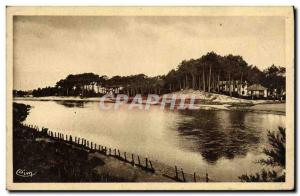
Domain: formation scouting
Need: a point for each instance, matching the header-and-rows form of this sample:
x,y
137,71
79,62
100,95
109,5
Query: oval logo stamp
x,y
25,173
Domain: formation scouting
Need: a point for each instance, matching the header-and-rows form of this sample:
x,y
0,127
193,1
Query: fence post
x,y
182,174
195,177
119,153
109,151
70,138
92,145
139,160
146,162
125,156
206,177
132,159
176,172
151,166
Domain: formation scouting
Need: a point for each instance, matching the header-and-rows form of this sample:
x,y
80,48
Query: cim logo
x,y
25,173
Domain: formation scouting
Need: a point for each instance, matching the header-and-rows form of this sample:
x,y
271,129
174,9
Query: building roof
x,y
256,87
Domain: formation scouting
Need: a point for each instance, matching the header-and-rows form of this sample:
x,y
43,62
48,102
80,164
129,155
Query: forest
x,y
205,73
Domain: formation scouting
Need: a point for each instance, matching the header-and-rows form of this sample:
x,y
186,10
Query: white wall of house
x,y
265,93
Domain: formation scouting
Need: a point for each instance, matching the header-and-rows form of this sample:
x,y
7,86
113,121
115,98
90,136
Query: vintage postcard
x,y
150,98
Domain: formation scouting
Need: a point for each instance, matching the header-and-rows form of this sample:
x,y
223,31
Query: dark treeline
x,y
205,73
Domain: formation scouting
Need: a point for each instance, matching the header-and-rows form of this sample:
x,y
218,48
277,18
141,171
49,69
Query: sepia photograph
x,y
150,98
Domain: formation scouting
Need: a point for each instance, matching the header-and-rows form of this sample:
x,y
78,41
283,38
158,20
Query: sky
x,y
48,48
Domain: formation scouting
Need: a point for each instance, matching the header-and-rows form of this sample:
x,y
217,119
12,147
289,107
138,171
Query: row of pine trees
x,y
204,73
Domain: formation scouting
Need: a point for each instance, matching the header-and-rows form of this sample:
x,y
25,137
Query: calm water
x,y
225,144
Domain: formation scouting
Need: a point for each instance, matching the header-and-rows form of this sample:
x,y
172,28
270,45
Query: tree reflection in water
x,y
218,134
71,104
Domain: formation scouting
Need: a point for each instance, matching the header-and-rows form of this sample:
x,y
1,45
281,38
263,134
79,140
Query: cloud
x,y
51,47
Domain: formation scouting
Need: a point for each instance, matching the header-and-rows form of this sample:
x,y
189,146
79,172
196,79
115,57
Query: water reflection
x,y
223,143
72,104
218,134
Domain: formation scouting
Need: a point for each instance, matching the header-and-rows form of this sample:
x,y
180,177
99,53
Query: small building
x,y
243,89
234,86
257,90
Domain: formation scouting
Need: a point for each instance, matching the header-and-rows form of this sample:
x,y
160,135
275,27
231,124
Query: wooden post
x,y
195,177
206,177
70,138
125,156
132,159
88,143
151,166
176,172
119,153
146,162
182,175
139,160
95,147
54,134
109,151
75,140
115,152
92,145
66,137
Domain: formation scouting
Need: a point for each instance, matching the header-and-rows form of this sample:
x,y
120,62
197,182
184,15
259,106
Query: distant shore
x,y
202,102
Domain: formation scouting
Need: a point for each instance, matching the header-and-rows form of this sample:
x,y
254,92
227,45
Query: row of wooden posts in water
x,y
93,147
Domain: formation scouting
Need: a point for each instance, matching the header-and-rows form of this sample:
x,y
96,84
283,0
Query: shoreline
x,y
258,106
101,164
54,157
